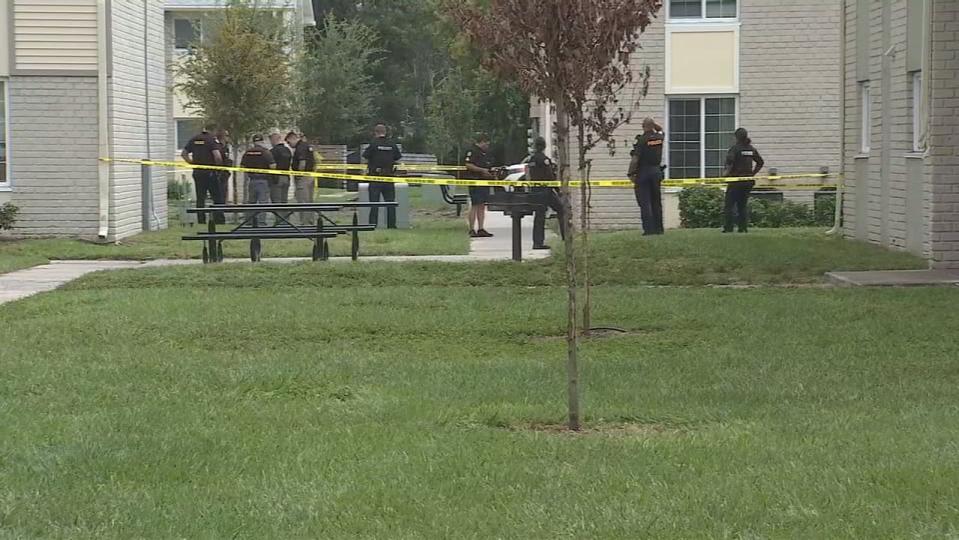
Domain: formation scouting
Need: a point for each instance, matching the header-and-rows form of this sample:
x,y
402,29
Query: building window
x,y
186,33
702,9
700,132
917,143
4,130
186,128
865,117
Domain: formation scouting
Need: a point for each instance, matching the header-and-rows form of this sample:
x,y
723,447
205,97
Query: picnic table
x,y
283,228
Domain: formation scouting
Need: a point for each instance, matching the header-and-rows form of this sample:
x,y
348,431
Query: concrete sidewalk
x,y
500,247
47,277
895,278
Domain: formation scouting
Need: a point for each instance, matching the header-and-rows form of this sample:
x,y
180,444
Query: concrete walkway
x,y
47,277
895,278
500,247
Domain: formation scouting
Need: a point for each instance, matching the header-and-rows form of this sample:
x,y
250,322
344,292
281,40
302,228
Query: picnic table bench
x,y
249,229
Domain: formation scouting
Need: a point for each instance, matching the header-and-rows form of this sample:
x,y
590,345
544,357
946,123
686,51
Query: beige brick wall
x,y
789,96
944,129
895,197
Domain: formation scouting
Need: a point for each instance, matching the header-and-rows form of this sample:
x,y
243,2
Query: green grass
x,y
431,234
291,402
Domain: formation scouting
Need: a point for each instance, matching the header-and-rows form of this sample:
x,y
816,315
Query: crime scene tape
x,y
761,181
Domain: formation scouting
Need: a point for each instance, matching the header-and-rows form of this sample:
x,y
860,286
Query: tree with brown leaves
x,y
569,52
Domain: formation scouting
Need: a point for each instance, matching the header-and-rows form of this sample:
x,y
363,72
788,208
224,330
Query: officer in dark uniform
x,y
258,190
304,159
381,157
742,160
223,142
283,156
541,168
479,163
203,149
645,170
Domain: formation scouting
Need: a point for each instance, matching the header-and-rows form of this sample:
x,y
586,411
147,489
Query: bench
x,y
248,229
457,199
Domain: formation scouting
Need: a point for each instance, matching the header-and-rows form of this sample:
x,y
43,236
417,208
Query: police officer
x,y
223,177
381,157
203,149
258,190
647,175
283,156
304,160
479,164
541,168
742,160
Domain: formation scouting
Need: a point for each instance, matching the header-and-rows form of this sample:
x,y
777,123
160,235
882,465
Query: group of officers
x,y
294,153
646,171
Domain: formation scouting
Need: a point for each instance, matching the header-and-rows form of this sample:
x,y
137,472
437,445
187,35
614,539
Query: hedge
x,y
702,208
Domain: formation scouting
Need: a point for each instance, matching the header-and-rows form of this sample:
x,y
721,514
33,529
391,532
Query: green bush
x,y
8,216
702,208
177,190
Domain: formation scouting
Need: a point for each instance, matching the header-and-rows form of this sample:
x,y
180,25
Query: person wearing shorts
x,y
479,163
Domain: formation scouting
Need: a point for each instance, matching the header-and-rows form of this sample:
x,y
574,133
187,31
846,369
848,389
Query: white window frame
x,y
702,18
865,117
193,20
176,129
916,81
702,124
5,94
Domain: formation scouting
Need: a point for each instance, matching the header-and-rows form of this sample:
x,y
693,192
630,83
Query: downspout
x,y
148,170
837,220
103,121
926,66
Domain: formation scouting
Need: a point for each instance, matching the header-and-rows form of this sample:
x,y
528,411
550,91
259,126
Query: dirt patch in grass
x,y
626,430
598,334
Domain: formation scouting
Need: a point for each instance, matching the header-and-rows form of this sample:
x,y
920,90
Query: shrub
x,y
8,216
702,207
177,190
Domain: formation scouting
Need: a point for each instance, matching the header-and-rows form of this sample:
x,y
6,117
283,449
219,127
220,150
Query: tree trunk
x,y
572,331
584,220
587,300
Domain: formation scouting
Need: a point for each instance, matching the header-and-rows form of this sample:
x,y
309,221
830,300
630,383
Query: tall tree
x,y
560,50
451,117
336,92
232,76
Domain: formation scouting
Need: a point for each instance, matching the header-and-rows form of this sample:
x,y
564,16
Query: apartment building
x,y
771,66
81,79
901,120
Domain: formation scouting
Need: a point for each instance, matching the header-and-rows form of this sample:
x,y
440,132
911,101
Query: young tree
x,y
236,76
451,114
336,93
562,51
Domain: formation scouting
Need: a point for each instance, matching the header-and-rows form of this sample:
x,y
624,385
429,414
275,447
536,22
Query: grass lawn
x,y
431,235
319,402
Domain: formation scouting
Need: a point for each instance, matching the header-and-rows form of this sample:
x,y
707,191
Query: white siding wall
x,y
55,35
4,38
138,93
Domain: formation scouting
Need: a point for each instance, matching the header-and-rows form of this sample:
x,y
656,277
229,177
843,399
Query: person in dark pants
x,y
304,160
742,160
203,149
645,170
541,168
280,185
223,177
258,190
381,157
479,164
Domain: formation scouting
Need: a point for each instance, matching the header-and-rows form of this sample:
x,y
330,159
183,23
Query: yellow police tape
x,y
762,181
